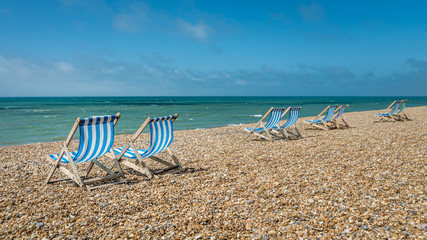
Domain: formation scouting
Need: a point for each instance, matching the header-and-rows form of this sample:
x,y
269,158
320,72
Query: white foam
x,y
235,124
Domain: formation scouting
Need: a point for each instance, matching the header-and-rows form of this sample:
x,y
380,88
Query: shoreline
x,y
368,181
242,125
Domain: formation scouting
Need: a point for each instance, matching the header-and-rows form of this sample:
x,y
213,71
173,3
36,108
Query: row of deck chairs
x,y
97,139
394,112
273,130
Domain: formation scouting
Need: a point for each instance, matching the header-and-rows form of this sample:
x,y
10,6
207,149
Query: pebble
x,y
363,182
39,224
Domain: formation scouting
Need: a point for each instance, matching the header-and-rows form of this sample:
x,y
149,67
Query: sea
x,y
25,120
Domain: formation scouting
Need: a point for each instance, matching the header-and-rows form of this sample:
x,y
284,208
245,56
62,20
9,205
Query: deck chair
x,y
264,131
390,113
401,115
161,136
339,112
322,123
293,117
96,140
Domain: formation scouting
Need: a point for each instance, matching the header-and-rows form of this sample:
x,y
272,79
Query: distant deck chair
x,y
339,112
390,114
293,117
401,115
96,140
264,131
161,137
322,123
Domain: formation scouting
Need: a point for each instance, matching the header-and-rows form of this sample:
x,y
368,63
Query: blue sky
x,y
219,48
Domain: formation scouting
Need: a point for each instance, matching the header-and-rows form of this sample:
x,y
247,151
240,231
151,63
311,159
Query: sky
x,y
213,48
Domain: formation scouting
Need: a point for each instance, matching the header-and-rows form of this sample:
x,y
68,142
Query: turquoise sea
x,y
45,119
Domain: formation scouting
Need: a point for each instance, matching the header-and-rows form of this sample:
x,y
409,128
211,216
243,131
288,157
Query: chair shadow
x,y
161,172
179,171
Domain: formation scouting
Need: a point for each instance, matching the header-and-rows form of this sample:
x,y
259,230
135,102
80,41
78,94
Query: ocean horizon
x,y
27,120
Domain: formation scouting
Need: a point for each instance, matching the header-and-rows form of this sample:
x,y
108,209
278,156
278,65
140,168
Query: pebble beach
x,y
368,181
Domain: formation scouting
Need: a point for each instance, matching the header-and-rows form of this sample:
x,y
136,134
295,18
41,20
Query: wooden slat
x,y
101,179
63,170
102,166
133,166
104,185
175,159
139,131
73,131
161,161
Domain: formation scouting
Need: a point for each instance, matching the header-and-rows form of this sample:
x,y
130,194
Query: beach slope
x,y
368,181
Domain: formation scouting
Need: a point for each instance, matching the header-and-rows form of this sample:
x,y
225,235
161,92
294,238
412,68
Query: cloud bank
x,y
95,76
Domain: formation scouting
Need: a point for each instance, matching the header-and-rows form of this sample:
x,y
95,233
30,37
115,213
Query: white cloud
x,y
133,20
113,70
312,13
63,66
240,82
28,76
199,31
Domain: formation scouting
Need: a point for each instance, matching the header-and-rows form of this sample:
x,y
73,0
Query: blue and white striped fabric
x,y
393,112
275,116
293,117
96,139
328,116
161,136
341,112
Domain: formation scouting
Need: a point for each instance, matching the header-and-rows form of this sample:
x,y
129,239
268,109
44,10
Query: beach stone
x,y
39,224
235,189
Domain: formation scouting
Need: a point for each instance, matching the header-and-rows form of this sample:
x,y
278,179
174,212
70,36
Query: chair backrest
x,y
275,116
395,108
329,113
96,137
341,111
293,117
161,134
402,106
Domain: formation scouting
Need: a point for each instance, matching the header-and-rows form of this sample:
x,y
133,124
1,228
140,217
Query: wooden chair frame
x,y
74,175
335,121
401,114
286,134
388,111
144,168
323,125
268,132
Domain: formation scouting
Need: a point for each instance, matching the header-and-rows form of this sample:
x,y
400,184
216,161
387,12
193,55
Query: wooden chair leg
x,y
175,159
89,168
52,170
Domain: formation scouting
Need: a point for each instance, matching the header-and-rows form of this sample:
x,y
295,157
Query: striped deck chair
x,y
390,114
320,122
265,130
161,137
293,117
335,120
401,115
96,140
